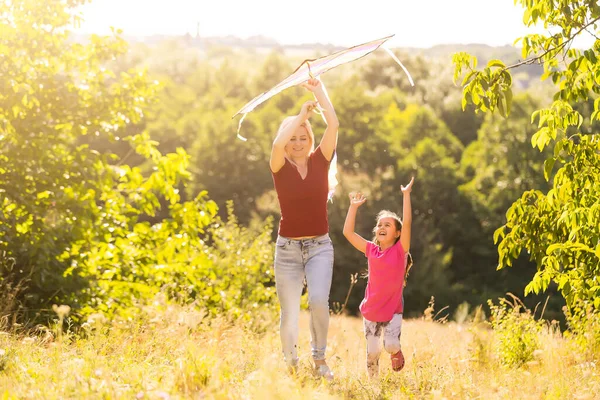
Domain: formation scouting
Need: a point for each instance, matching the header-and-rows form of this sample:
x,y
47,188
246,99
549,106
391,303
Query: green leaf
x,y
548,165
501,106
44,195
496,63
466,98
509,98
499,233
558,148
535,138
468,77
475,97
526,17
546,75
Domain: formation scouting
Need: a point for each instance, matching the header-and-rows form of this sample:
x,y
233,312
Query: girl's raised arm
x,y
406,216
356,200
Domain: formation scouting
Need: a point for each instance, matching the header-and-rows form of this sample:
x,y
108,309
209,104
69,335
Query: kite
x,y
312,68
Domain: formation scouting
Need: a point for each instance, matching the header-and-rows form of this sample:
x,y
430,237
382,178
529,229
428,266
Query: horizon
x,y
442,22
141,37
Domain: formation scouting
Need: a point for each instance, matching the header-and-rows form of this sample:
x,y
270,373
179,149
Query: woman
x,y
304,249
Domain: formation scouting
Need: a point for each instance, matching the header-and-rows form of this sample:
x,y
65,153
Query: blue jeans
x,y
296,259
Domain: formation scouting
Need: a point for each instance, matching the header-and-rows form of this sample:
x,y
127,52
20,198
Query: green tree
x,y
53,92
78,224
501,164
560,228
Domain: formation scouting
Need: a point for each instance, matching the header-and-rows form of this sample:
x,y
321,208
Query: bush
x,y
191,257
242,261
516,332
583,324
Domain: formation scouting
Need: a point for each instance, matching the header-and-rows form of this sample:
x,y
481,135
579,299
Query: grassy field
x,y
173,353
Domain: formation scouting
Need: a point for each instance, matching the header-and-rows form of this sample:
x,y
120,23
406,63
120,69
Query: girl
x,y
387,257
304,249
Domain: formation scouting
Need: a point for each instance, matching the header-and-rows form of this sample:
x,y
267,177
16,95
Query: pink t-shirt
x,y
383,295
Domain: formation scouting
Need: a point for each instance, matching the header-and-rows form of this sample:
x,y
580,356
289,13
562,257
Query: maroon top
x,y
303,202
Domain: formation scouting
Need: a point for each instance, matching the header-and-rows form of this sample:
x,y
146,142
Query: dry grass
x,y
175,354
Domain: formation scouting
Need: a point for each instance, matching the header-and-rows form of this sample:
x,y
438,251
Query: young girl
x,y
387,257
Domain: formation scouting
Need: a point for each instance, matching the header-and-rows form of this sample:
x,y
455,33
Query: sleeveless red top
x,y
303,202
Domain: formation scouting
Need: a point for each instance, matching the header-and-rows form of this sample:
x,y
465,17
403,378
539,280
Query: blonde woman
x,y
304,250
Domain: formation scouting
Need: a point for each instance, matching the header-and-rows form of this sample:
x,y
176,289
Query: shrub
x,y
516,332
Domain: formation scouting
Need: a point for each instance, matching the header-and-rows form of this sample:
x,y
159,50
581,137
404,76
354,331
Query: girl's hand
x,y
357,199
307,109
312,85
406,189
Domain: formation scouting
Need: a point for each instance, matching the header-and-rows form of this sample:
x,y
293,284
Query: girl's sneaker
x,y
397,361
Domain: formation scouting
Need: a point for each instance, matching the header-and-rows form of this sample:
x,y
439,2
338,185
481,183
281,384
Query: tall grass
x,y
175,352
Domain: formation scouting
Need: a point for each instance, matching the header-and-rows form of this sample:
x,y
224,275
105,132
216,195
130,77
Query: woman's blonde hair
x,y
331,176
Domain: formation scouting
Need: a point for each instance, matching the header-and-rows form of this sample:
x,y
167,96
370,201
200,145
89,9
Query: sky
x,y
415,23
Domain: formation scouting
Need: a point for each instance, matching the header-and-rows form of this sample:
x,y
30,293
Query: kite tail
x,y
391,53
332,177
240,127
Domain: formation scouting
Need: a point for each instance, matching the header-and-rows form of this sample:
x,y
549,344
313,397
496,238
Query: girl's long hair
x,y
331,175
398,223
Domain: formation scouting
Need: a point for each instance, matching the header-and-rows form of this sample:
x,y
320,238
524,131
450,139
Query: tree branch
x,y
541,56
597,38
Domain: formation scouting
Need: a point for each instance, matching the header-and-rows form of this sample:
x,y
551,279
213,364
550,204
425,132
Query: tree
x,y
560,228
75,217
501,164
53,93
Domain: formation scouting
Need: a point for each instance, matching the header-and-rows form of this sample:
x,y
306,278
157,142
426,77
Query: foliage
x,y
517,332
560,229
56,189
81,224
584,330
10,288
242,276
501,164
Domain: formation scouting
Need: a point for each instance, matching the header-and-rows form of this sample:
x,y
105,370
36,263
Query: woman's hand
x,y
312,85
307,109
357,199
